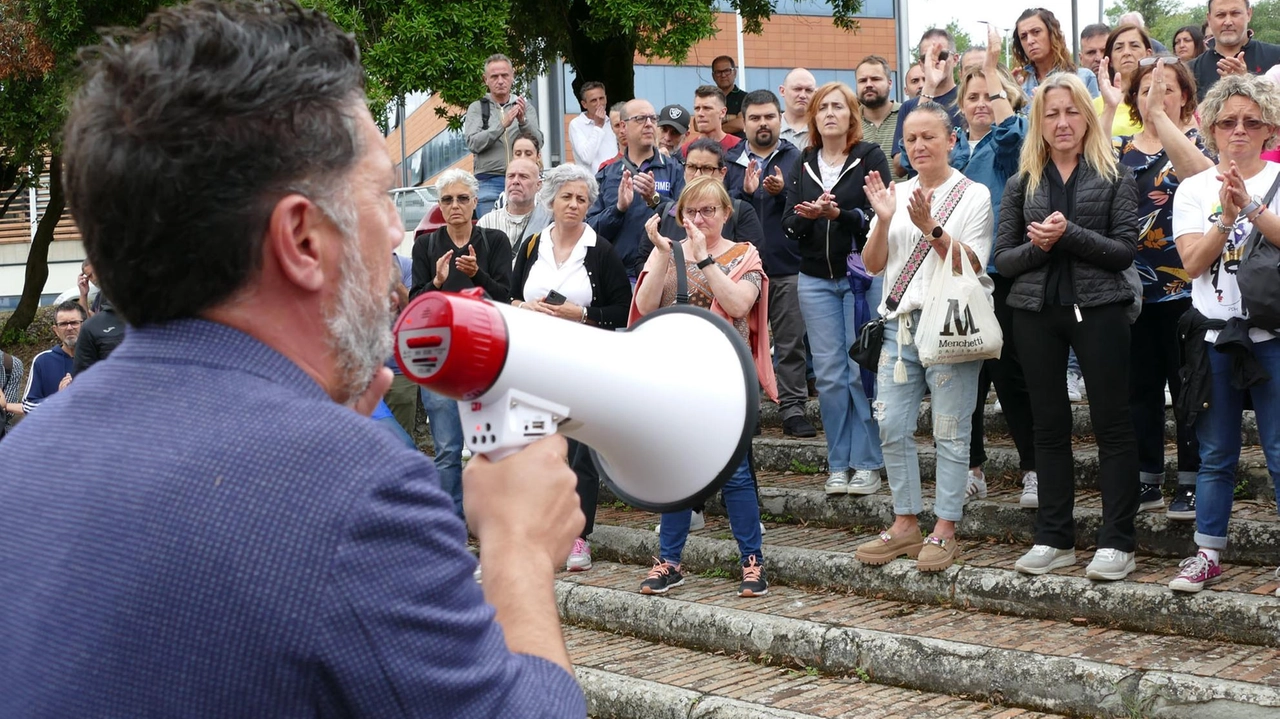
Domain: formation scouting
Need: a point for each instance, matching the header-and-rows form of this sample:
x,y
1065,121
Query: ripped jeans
x,y
953,390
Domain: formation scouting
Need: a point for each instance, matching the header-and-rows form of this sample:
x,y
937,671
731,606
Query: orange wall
x,y
787,41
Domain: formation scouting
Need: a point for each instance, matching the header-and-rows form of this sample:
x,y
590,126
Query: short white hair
x,y
454,176
557,177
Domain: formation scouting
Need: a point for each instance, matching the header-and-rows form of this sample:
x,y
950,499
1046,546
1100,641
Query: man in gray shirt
x,y
491,126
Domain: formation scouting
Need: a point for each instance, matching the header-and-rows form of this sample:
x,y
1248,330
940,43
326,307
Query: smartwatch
x,y
937,232
1255,203
706,263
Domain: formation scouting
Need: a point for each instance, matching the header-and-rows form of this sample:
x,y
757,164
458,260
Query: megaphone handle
x,y
499,429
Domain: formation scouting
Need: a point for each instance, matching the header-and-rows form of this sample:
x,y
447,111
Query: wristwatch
x,y
1002,95
654,200
1223,227
706,263
1255,203
937,232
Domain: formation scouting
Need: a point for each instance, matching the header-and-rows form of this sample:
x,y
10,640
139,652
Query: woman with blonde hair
x,y
1068,230
827,215
727,278
991,102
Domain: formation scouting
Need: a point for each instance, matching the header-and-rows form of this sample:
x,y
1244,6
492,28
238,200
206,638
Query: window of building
x,y
437,155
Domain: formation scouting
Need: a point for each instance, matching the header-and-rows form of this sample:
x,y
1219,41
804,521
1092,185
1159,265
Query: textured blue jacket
x,y
232,543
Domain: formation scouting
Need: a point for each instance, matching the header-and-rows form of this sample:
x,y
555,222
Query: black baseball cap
x,y
674,116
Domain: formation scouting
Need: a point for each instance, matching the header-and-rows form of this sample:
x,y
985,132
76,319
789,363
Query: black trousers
x,y
1154,355
1011,387
1101,342
588,483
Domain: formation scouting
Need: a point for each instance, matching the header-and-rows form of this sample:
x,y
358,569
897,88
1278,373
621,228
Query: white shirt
x,y
798,136
569,279
511,225
1195,206
830,173
591,144
970,223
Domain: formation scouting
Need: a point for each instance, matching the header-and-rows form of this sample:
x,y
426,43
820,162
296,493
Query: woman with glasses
x,y
1162,103
1214,214
727,278
570,272
456,257
1067,232
827,216
1128,48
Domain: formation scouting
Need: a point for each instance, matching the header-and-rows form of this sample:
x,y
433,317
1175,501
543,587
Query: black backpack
x,y
1259,276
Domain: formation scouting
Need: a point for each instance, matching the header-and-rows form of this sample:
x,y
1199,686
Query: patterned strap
x,y
923,246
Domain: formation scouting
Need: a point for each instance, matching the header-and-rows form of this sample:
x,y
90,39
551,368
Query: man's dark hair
x,y
1209,8
588,87
933,32
187,133
70,306
706,144
760,97
711,91
732,63
1094,30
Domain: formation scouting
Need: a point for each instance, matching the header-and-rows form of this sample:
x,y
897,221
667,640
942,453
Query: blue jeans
x,y
490,187
739,495
1218,430
954,391
446,435
853,440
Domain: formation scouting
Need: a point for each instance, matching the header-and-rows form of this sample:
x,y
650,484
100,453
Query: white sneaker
x,y
1030,491
838,483
1043,559
975,487
762,529
865,481
1075,387
1110,564
580,557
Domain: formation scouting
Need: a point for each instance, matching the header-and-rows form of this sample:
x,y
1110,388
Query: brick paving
x,y
1132,650
792,689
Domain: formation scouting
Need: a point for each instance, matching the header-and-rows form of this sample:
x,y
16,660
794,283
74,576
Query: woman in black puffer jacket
x,y
1068,230
827,215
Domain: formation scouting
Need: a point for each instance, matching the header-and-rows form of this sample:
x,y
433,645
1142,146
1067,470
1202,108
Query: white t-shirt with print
x,y
970,223
1195,207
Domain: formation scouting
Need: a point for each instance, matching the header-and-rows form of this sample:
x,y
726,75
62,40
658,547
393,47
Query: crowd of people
x,y
1100,206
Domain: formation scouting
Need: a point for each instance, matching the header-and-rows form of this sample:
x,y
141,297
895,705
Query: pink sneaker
x,y
1197,573
580,557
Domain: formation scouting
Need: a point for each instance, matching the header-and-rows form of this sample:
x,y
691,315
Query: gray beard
x,y
359,324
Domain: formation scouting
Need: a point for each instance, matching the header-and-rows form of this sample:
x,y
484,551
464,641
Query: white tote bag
x,y
958,323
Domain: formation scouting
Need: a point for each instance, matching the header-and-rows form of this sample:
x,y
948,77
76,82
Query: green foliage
x,y
962,39
801,468
716,573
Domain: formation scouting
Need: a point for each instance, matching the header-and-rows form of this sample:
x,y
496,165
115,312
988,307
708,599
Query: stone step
x,y
1253,533
630,678
997,426
776,453
1036,664
1242,608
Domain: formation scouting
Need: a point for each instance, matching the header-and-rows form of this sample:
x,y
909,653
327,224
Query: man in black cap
x,y
673,125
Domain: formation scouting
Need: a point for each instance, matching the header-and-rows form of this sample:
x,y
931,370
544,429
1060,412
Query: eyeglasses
x,y
450,199
69,324
1251,124
724,73
1168,60
707,212
642,119
702,169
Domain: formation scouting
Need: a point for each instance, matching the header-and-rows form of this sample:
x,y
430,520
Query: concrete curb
x,y
1056,684
810,455
617,696
995,424
1132,606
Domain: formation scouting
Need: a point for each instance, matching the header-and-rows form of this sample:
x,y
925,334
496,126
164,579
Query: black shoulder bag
x,y
1259,275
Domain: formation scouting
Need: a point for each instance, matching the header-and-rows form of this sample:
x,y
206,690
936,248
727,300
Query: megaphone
x,y
668,407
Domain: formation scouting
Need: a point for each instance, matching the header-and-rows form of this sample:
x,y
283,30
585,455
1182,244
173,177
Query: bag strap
x,y
916,260
1252,240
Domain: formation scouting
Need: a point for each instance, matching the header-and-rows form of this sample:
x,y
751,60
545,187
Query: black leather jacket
x,y
1101,239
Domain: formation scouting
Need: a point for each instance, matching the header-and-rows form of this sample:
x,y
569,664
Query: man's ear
x,y
296,234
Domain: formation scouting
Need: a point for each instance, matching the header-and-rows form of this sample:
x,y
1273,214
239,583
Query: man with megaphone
x,y
256,547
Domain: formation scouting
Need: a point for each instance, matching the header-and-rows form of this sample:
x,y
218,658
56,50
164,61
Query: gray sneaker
x,y
865,481
838,483
1030,491
1110,564
1043,559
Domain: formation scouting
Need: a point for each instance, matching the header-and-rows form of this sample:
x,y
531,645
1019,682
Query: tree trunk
x,y
611,60
38,258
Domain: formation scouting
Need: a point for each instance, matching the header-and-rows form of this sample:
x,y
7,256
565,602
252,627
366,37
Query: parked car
x,y
415,205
